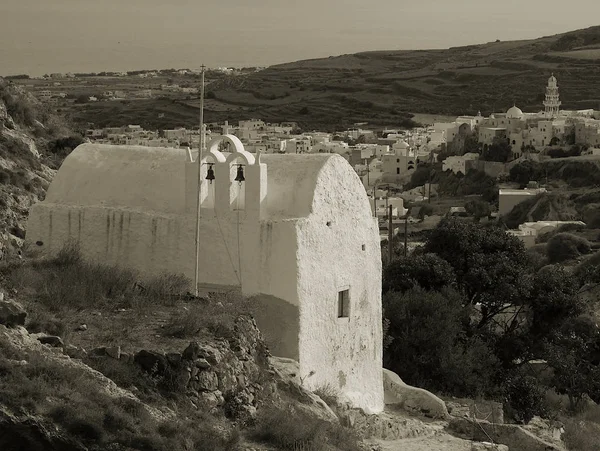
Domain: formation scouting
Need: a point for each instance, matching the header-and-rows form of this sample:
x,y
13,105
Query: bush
x,y
565,246
329,394
581,435
288,428
524,398
588,271
216,315
67,280
544,237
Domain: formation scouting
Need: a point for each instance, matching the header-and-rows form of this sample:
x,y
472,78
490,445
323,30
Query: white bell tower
x,y
551,103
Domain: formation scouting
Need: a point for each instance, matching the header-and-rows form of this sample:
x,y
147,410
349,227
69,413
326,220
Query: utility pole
x,y
390,235
199,200
405,233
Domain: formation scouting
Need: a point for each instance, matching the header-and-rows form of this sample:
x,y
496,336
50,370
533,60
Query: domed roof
x,y
514,113
552,79
401,144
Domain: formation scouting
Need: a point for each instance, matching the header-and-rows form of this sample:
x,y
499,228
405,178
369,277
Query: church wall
x,y
151,243
345,352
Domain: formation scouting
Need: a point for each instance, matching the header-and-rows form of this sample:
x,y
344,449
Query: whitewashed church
x,y
296,231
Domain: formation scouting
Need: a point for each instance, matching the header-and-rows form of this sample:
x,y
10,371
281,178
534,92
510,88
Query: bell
x,y
240,174
210,174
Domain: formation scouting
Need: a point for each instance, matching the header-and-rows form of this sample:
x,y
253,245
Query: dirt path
x,y
441,442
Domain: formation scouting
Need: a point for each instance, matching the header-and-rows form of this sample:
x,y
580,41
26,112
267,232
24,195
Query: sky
x,y
45,36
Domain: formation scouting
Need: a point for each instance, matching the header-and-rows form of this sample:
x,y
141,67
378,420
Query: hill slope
x,y
378,86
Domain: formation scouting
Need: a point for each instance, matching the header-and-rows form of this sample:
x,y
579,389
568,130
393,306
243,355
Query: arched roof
x,y
136,177
292,181
514,113
153,179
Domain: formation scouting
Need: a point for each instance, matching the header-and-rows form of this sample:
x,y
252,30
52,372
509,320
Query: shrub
x,y
288,428
588,271
524,398
328,393
544,237
580,435
566,246
215,315
67,280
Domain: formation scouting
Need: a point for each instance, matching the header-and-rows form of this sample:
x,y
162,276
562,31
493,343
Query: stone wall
x,y
233,373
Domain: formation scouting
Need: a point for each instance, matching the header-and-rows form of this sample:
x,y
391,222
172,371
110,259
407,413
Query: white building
x,y
297,234
508,198
457,164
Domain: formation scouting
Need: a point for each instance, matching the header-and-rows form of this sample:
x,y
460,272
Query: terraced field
x,y
382,87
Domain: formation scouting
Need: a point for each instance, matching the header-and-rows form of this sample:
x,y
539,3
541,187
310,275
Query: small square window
x,y
344,304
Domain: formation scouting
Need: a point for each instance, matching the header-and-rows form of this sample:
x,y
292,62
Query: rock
x,y
98,352
211,400
174,358
207,381
113,351
12,314
412,398
74,352
150,361
81,328
209,353
203,364
51,340
487,446
126,357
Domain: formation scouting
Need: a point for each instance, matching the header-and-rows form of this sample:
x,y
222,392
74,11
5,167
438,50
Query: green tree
x,y
426,270
525,172
573,354
429,347
499,151
478,209
490,265
566,246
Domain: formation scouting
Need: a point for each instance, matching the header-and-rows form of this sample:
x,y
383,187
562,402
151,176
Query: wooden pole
x,y
199,200
390,235
405,233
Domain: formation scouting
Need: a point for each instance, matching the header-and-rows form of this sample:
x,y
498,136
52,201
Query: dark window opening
x,y
39,243
344,304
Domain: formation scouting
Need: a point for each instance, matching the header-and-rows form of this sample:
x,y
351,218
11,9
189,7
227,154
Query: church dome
x,y
552,79
514,113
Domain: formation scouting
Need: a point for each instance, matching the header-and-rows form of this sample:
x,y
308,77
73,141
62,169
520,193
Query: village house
x,y
508,198
295,232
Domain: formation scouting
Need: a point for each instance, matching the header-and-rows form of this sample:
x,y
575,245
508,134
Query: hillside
x,y
377,87
33,142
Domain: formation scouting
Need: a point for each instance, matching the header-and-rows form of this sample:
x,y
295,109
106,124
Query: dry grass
x,y
75,401
68,281
329,394
215,315
287,428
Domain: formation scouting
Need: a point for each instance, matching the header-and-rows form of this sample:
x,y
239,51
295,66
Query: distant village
x,y
385,160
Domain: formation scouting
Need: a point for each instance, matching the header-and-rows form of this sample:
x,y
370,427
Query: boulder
x,y
412,398
207,381
51,340
12,314
113,351
74,352
196,350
